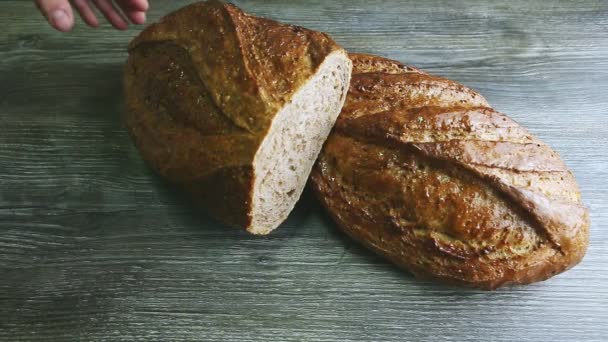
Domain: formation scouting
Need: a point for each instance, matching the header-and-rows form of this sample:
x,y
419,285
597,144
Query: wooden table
x,y
93,246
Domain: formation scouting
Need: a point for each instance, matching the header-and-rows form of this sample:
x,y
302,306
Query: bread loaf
x,y
234,108
423,171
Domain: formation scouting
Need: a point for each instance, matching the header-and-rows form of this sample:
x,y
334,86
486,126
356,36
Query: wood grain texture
x,y
93,246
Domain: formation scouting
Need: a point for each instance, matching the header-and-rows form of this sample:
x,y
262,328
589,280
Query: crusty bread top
x,y
250,65
422,170
204,84
464,130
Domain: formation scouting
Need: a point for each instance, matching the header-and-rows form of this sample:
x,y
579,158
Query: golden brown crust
x,y
421,170
363,63
251,65
226,194
202,88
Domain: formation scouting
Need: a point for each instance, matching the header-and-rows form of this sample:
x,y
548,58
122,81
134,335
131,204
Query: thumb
x,y
58,13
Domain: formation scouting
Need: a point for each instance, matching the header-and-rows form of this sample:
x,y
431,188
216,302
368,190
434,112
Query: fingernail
x,y
60,20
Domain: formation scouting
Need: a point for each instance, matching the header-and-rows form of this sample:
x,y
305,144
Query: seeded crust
x,y
423,171
209,86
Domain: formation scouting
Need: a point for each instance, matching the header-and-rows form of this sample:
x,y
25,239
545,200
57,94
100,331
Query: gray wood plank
x,y
93,246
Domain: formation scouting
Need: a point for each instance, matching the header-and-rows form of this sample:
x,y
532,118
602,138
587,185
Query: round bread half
x,y
423,171
234,108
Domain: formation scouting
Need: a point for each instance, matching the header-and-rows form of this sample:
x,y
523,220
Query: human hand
x,y
60,15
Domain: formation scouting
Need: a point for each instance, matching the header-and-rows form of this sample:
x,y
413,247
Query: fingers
x,y
86,12
137,18
135,5
135,10
60,16
112,14
58,13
